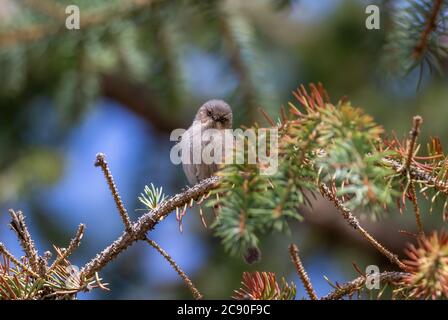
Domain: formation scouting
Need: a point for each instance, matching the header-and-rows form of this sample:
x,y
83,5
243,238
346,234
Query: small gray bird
x,y
214,114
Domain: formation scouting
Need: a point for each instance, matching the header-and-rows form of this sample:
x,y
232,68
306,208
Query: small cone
x,y
252,255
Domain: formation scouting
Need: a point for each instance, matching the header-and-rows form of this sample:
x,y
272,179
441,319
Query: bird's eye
x,y
209,113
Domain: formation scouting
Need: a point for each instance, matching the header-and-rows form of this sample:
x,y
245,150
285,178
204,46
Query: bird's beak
x,y
210,122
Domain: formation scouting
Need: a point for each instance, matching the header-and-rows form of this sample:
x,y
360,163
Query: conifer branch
x,y
8,254
417,37
74,244
413,134
197,295
418,219
418,174
101,162
430,26
411,147
19,227
353,221
55,282
264,286
147,222
294,252
351,287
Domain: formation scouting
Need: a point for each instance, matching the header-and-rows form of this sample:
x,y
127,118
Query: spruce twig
x,y
294,252
74,243
416,208
101,162
418,174
413,134
147,222
430,26
8,254
354,285
197,295
18,225
353,222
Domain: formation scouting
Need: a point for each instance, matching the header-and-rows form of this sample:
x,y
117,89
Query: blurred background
x,y
138,69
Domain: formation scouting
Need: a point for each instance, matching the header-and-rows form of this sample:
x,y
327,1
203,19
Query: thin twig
x,y
8,254
19,226
147,222
352,221
418,218
74,243
294,252
197,295
354,285
267,117
417,174
430,26
101,162
413,134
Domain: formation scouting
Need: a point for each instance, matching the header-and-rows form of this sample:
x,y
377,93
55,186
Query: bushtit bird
x,y
214,114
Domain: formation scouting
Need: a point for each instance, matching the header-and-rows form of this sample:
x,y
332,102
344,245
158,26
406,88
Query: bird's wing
x,y
191,170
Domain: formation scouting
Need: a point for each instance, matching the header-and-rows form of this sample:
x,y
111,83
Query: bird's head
x,y
215,114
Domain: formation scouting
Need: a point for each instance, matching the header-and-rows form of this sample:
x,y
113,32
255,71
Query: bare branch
x,y
430,26
197,295
101,162
418,174
147,222
354,285
413,134
18,225
294,252
418,218
8,254
352,221
74,243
